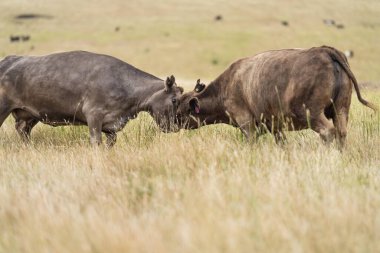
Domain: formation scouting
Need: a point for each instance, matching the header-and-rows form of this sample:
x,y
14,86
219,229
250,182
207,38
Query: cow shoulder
x,y
8,62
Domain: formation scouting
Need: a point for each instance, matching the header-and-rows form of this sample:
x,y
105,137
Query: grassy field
x,y
165,37
194,191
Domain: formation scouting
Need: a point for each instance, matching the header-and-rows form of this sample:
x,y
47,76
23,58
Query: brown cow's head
x,y
189,113
163,105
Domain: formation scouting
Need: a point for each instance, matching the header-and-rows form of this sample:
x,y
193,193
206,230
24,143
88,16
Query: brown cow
x,y
290,89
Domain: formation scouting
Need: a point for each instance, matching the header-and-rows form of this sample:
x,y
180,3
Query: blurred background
x,y
193,38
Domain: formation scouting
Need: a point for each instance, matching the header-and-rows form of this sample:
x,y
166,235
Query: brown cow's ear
x,y
194,106
199,86
170,81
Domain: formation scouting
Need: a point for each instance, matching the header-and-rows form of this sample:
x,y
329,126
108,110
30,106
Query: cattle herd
x,y
271,92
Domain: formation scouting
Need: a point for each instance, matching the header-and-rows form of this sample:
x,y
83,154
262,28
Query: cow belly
x,y
47,117
54,118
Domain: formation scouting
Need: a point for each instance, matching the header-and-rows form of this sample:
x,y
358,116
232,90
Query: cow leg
x,y
342,107
4,110
280,137
3,115
249,130
95,127
24,127
324,127
111,139
340,120
250,133
275,127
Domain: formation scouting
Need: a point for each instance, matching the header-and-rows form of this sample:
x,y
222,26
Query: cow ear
x,y
194,105
199,86
170,81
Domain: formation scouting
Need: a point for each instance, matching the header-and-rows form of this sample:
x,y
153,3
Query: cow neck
x,y
145,94
212,108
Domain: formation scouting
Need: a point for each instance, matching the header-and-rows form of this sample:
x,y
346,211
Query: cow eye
x,y
174,100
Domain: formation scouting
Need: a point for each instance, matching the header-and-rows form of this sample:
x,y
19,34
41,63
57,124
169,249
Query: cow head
x,y
163,105
189,114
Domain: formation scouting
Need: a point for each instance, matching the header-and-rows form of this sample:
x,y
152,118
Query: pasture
x,y
206,190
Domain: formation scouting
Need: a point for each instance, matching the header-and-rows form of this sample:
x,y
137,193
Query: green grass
x,y
183,38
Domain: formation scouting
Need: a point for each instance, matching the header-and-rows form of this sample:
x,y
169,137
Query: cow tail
x,y
336,56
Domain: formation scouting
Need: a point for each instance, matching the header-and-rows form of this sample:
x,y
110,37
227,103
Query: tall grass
x,y
206,190
194,191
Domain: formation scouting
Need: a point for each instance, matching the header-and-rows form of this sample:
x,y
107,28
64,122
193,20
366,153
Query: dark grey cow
x,y
82,88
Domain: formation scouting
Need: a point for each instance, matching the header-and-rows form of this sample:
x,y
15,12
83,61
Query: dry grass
x,y
193,191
